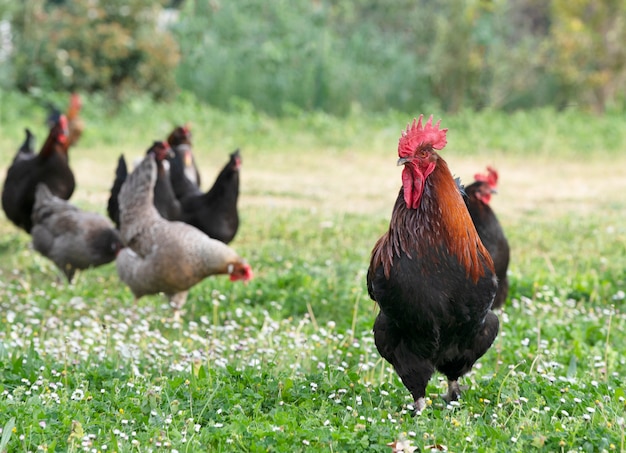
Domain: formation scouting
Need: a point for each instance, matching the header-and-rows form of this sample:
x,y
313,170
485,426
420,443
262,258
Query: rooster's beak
x,y
403,160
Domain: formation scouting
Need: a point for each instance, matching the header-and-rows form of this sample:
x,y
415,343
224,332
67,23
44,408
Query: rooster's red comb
x,y
417,135
490,178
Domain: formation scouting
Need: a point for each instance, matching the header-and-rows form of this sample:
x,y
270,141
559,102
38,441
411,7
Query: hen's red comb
x,y
417,135
490,178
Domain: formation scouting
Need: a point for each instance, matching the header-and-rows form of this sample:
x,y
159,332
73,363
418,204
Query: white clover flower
x,y
404,446
78,395
620,295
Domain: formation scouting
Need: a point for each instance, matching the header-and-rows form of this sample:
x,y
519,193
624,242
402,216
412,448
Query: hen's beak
x,y
403,160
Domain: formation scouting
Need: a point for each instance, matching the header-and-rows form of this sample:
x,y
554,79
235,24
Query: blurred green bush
x,y
281,56
111,46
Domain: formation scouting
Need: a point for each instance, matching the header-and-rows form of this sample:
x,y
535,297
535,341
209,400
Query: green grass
x,y
287,362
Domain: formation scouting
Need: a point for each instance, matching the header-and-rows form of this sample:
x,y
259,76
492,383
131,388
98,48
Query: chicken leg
x,y
460,365
414,371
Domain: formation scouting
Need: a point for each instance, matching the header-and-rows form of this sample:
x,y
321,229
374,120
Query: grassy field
x,y
287,362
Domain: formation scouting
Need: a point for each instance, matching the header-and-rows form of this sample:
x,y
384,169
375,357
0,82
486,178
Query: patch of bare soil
x,y
369,184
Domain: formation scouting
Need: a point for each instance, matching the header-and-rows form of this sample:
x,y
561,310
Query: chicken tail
x,y
121,173
136,197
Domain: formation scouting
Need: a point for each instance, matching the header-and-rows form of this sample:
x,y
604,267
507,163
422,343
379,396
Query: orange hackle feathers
x,y
74,107
459,232
417,135
439,217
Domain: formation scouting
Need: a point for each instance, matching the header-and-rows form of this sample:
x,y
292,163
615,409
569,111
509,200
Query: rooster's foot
x,y
419,405
454,391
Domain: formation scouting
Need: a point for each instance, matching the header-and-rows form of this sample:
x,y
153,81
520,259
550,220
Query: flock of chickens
x,y
158,213
435,274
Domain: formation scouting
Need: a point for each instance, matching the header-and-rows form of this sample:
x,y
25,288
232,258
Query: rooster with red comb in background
x,y
430,274
50,166
478,196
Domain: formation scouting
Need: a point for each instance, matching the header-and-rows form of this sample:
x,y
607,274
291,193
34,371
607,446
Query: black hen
x,y
478,196
50,166
214,212
180,142
165,201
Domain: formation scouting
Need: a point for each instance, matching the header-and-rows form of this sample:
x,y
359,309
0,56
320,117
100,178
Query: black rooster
x,y
50,166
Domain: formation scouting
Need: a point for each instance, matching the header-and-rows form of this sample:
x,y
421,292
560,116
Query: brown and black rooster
x,y
50,166
430,274
478,196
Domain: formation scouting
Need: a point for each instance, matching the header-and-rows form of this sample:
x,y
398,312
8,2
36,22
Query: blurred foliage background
x,y
335,56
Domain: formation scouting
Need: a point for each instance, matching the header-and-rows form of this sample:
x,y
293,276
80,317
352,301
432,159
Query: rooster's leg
x,y
420,405
454,391
458,366
413,370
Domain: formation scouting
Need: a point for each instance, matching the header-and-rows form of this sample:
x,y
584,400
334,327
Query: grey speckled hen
x,y
71,238
164,256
